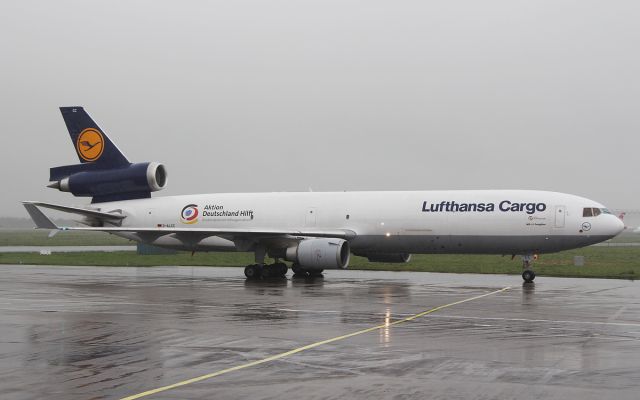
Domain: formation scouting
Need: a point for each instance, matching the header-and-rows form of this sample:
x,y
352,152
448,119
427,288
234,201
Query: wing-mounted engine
x,y
320,254
133,181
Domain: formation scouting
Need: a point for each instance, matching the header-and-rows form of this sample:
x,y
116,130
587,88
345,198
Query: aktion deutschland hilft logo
x,y
189,214
90,144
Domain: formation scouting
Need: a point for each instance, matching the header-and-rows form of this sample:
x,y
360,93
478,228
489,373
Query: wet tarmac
x,y
109,333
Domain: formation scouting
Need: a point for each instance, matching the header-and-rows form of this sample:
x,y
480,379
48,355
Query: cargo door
x,y
560,214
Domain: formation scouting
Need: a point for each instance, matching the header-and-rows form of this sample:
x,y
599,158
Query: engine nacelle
x,y
134,180
389,257
320,254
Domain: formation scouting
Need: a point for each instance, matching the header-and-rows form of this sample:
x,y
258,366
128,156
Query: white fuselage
x,y
465,221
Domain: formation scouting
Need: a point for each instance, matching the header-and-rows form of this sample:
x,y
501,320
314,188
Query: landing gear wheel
x,y
280,269
253,271
298,271
250,272
316,272
528,276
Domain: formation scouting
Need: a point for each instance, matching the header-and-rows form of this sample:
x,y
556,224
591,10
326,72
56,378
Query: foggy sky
x,y
242,96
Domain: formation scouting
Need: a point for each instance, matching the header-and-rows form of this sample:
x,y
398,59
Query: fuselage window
x,y
596,212
587,212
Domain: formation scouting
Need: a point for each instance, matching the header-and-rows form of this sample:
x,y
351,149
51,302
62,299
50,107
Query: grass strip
x,y
600,262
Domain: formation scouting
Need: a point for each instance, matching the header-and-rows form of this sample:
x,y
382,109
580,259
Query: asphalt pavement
x,y
207,333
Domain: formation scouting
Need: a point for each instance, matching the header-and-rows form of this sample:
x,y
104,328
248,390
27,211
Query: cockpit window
x,y
594,212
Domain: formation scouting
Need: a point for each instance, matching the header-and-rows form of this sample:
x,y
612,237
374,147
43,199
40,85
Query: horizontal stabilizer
x,y
38,217
30,205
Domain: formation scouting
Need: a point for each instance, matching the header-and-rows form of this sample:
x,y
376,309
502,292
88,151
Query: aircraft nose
x,y
615,226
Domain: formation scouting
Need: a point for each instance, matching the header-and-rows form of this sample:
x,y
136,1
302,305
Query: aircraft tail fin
x,y
91,143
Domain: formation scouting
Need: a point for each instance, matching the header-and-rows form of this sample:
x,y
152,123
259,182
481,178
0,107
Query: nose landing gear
x,y
527,274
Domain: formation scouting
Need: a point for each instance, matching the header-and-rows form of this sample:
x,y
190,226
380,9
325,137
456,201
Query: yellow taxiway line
x,y
307,347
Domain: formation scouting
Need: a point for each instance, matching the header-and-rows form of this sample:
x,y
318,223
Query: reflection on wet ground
x,y
92,333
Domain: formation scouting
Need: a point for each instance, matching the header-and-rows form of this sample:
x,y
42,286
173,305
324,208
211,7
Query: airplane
x,y
315,231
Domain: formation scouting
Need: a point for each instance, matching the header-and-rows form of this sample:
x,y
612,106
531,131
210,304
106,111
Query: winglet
x,y
41,220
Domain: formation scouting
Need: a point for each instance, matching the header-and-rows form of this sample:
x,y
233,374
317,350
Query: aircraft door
x,y
311,217
560,215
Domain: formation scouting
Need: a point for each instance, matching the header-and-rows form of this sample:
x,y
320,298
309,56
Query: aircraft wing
x,y
44,222
332,233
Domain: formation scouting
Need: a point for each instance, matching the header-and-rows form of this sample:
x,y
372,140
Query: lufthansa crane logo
x,y
90,144
189,214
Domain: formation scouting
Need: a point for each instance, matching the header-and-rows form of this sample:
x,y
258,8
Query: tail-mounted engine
x,y
104,173
134,181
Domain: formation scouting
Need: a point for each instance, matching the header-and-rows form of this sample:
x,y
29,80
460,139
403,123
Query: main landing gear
x,y
298,271
278,269
258,271
527,274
